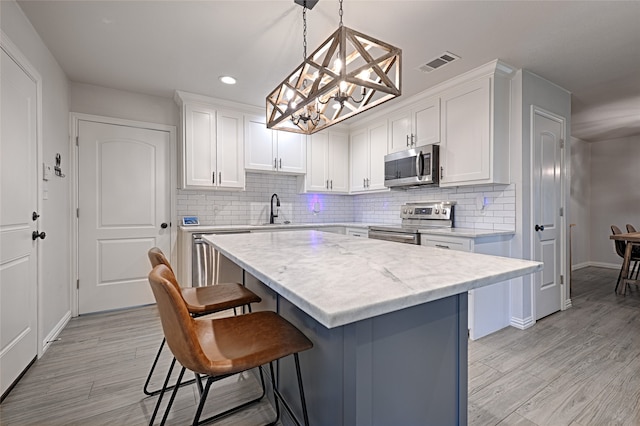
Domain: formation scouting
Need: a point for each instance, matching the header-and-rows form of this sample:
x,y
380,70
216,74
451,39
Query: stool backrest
x,y
620,245
157,257
178,326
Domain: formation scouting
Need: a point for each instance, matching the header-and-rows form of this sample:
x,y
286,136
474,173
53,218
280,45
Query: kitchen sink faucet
x,y
273,216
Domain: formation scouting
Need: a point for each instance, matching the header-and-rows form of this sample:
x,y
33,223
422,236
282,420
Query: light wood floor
x,y
578,367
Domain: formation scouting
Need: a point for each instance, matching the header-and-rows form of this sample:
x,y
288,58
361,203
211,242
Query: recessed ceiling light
x,y
226,79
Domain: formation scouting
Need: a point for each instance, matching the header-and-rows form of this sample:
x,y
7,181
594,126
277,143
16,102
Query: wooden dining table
x,y
632,239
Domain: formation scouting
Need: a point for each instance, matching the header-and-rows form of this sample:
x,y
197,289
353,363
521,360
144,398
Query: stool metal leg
x,y
153,367
173,396
164,387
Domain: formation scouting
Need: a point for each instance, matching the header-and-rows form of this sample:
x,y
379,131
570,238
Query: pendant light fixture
x,y
348,74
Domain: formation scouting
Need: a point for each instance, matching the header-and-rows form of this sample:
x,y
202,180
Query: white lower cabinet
x,y
488,306
357,232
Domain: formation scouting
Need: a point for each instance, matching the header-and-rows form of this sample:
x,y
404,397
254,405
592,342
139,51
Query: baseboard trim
x,y
580,266
606,265
53,335
567,304
522,323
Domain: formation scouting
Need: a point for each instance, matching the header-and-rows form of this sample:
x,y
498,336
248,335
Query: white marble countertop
x,y
453,232
337,279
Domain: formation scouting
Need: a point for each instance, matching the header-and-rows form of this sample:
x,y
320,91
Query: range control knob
x,y
437,211
444,211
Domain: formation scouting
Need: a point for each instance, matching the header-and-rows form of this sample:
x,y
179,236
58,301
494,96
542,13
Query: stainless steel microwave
x,y
412,167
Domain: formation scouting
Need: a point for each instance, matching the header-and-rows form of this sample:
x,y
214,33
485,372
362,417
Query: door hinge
x,y
77,140
561,143
561,211
561,279
77,284
78,213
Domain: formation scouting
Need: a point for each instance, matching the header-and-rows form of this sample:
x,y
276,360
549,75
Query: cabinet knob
x,y
34,216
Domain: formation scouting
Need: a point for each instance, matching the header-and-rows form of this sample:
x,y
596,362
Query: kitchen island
x,y
388,321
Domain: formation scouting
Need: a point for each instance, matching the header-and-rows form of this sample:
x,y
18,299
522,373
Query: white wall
x,y
580,202
97,100
529,90
55,217
615,194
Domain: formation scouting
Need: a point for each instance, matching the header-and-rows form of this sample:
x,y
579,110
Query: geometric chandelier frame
x,y
348,74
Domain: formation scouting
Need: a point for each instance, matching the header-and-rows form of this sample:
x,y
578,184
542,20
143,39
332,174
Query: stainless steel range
x,y
416,216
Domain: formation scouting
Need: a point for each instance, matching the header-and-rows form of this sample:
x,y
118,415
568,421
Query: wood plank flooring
x,y
578,367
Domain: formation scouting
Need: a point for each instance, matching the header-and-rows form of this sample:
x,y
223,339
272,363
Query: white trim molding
x,y
522,323
53,335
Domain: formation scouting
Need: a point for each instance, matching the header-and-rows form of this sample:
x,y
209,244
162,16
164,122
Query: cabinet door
x,y
292,152
318,162
230,150
259,145
338,162
400,131
377,151
359,160
465,146
426,122
199,150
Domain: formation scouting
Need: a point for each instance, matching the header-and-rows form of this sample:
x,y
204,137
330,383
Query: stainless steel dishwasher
x,y
203,259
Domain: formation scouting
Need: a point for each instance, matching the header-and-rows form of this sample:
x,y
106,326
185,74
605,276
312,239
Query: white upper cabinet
x,y
415,125
328,162
475,133
368,148
212,148
273,151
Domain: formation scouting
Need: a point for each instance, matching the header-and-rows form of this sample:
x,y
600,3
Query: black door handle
x,y
163,225
539,227
35,235
35,216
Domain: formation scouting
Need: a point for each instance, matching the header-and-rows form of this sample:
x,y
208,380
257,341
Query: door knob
x,y
35,216
35,235
539,228
163,225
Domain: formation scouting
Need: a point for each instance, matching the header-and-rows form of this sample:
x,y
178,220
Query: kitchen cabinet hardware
x,y
275,163
442,246
219,177
34,216
164,225
281,163
331,184
35,235
539,228
327,183
441,172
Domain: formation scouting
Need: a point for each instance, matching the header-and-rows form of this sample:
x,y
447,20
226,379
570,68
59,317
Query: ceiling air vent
x,y
439,61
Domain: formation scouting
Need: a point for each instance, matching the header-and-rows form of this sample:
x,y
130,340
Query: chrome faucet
x,y
273,216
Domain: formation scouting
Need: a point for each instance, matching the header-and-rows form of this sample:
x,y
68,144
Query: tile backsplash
x,y
479,207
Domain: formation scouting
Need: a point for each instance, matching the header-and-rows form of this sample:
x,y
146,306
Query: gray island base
x,y
388,321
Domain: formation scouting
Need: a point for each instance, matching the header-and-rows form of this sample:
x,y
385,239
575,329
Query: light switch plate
x,y
47,170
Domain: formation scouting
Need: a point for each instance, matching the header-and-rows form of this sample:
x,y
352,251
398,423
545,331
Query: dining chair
x,y
635,252
221,347
620,247
201,301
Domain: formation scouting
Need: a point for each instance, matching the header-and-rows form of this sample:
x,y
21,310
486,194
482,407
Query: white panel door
x,y
547,191
259,146
200,146
377,151
318,162
18,252
359,160
338,162
230,150
292,152
465,146
124,202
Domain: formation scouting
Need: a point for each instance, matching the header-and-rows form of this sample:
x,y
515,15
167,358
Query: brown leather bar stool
x,y
201,301
219,348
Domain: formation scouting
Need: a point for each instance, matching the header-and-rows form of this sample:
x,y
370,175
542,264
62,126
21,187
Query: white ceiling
x,y
591,48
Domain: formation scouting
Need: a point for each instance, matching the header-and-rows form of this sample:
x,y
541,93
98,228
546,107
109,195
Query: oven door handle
x,y
391,236
419,165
